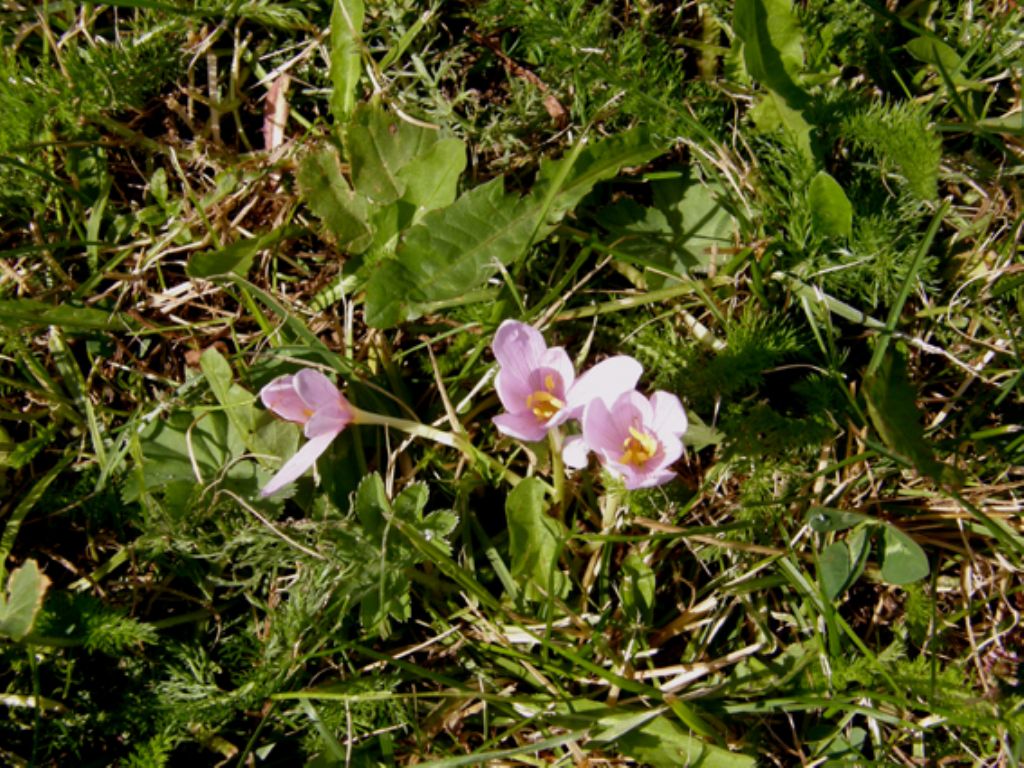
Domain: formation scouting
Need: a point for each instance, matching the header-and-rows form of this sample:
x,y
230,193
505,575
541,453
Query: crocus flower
x,y
310,399
538,386
635,438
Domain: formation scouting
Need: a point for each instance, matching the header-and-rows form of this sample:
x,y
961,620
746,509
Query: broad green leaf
x,y
637,587
831,212
772,45
561,184
664,743
30,313
432,178
23,598
893,410
450,252
379,145
824,519
345,213
773,115
238,256
835,568
237,402
903,560
931,50
535,542
682,232
176,448
346,58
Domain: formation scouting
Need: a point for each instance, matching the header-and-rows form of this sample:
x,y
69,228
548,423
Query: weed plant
x,y
801,219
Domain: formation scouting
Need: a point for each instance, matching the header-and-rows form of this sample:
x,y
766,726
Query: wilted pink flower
x,y
635,438
310,399
538,386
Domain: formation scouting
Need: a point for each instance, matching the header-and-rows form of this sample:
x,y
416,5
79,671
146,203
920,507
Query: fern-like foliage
x,y
899,137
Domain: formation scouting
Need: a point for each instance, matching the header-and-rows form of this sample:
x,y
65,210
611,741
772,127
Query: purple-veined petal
x,y
669,415
281,398
297,465
512,391
607,380
315,389
522,426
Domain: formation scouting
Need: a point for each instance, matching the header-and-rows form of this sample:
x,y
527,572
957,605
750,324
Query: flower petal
x,y
315,389
669,415
517,348
600,431
607,380
574,452
557,359
327,421
522,426
297,465
281,398
512,391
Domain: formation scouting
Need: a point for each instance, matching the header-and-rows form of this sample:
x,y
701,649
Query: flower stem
x,y
457,440
557,471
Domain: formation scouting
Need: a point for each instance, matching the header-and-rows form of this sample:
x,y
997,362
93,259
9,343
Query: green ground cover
x,y
803,220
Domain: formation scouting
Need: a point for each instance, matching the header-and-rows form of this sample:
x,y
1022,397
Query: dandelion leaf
x,y
344,212
772,45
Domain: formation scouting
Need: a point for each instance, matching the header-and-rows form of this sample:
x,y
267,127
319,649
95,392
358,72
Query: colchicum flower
x,y
538,386
310,399
635,438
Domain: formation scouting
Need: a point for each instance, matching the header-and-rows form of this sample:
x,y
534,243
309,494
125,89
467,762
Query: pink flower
x,y
635,438
538,386
310,399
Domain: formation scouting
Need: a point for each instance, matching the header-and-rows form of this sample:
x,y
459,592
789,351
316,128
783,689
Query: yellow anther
x,y
549,383
638,448
544,404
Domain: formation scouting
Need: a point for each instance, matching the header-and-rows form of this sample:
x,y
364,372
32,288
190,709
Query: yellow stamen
x,y
638,448
544,404
549,383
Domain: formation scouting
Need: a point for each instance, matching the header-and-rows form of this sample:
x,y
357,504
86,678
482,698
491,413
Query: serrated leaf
x,y
893,410
379,145
831,212
372,505
410,503
236,258
30,313
535,542
903,560
450,252
346,59
344,212
772,45
22,599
